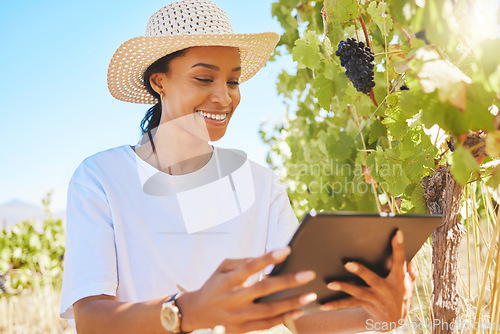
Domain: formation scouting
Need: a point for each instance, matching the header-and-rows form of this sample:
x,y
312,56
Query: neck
x,y
177,151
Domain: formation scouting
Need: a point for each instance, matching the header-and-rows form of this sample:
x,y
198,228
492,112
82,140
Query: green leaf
x,y
414,168
338,12
414,199
378,14
494,181
493,144
463,164
401,10
306,51
477,114
487,52
342,148
377,130
395,122
324,90
440,74
388,171
418,199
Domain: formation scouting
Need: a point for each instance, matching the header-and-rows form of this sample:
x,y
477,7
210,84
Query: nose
x,y
221,95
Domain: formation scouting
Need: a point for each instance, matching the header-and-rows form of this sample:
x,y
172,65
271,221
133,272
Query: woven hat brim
x,y
132,58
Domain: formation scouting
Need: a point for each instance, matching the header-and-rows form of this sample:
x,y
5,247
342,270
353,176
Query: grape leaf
x,y
338,12
414,167
341,148
488,51
324,89
401,10
463,164
477,114
494,80
306,51
395,122
378,14
377,130
388,171
494,181
418,199
306,54
442,75
412,203
493,144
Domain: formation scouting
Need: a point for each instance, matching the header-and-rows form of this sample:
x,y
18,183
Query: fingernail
x,y
306,299
326,308
351,266
399,236
305,276
281,253
219,329
333,286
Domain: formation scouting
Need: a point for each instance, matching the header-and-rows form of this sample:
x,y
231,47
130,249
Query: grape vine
x,y
439,88
31,257
339,150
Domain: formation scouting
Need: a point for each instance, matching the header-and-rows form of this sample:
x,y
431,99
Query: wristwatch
x,y
171,315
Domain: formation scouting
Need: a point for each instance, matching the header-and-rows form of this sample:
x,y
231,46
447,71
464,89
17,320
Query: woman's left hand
x,y
386,300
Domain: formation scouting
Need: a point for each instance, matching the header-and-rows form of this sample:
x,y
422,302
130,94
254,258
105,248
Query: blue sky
x,y
55,108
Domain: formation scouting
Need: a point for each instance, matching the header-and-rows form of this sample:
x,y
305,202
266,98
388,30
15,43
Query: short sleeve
x,y
90,258
282,220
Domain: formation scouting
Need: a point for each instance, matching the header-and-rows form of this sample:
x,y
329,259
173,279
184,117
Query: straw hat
x,y
177,26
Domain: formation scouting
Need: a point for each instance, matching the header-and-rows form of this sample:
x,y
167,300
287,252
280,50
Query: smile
x,y
216,117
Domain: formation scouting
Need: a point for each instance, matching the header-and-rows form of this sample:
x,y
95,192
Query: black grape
x,y
357,59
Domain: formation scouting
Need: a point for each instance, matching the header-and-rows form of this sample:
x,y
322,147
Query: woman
x,y
146,223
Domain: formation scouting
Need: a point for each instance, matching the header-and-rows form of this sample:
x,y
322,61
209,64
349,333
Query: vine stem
x,y
371,95
407,35
364,28
385,98
390,52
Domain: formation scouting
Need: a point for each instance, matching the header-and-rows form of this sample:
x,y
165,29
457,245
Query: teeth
x,y
217,117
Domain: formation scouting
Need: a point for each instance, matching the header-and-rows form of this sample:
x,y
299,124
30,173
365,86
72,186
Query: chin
x,y
215,136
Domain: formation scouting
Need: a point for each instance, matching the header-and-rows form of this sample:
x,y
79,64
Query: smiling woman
x,y
173,234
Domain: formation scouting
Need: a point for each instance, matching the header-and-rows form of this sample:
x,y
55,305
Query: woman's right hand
x,y
225,300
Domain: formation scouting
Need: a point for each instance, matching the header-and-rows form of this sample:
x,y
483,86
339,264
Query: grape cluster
x,y
358,61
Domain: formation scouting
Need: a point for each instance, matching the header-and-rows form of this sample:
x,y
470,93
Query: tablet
x,y
324,242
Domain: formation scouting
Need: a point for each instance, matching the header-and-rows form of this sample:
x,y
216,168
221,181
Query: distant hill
x,y
17,210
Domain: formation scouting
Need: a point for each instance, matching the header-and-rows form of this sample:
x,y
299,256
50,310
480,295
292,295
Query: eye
x,y
233,83
204,80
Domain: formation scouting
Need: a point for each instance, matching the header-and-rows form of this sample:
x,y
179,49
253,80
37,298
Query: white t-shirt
x,y
136,233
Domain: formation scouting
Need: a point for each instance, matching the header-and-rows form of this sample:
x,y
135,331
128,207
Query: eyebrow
x,y
214,67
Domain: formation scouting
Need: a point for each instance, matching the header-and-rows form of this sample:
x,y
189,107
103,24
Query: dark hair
x,y
152,118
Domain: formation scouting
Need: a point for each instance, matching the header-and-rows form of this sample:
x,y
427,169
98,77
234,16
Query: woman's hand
x,y
226,300
386,300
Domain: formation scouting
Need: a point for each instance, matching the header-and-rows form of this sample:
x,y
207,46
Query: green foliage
x,y
344,149
29,257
